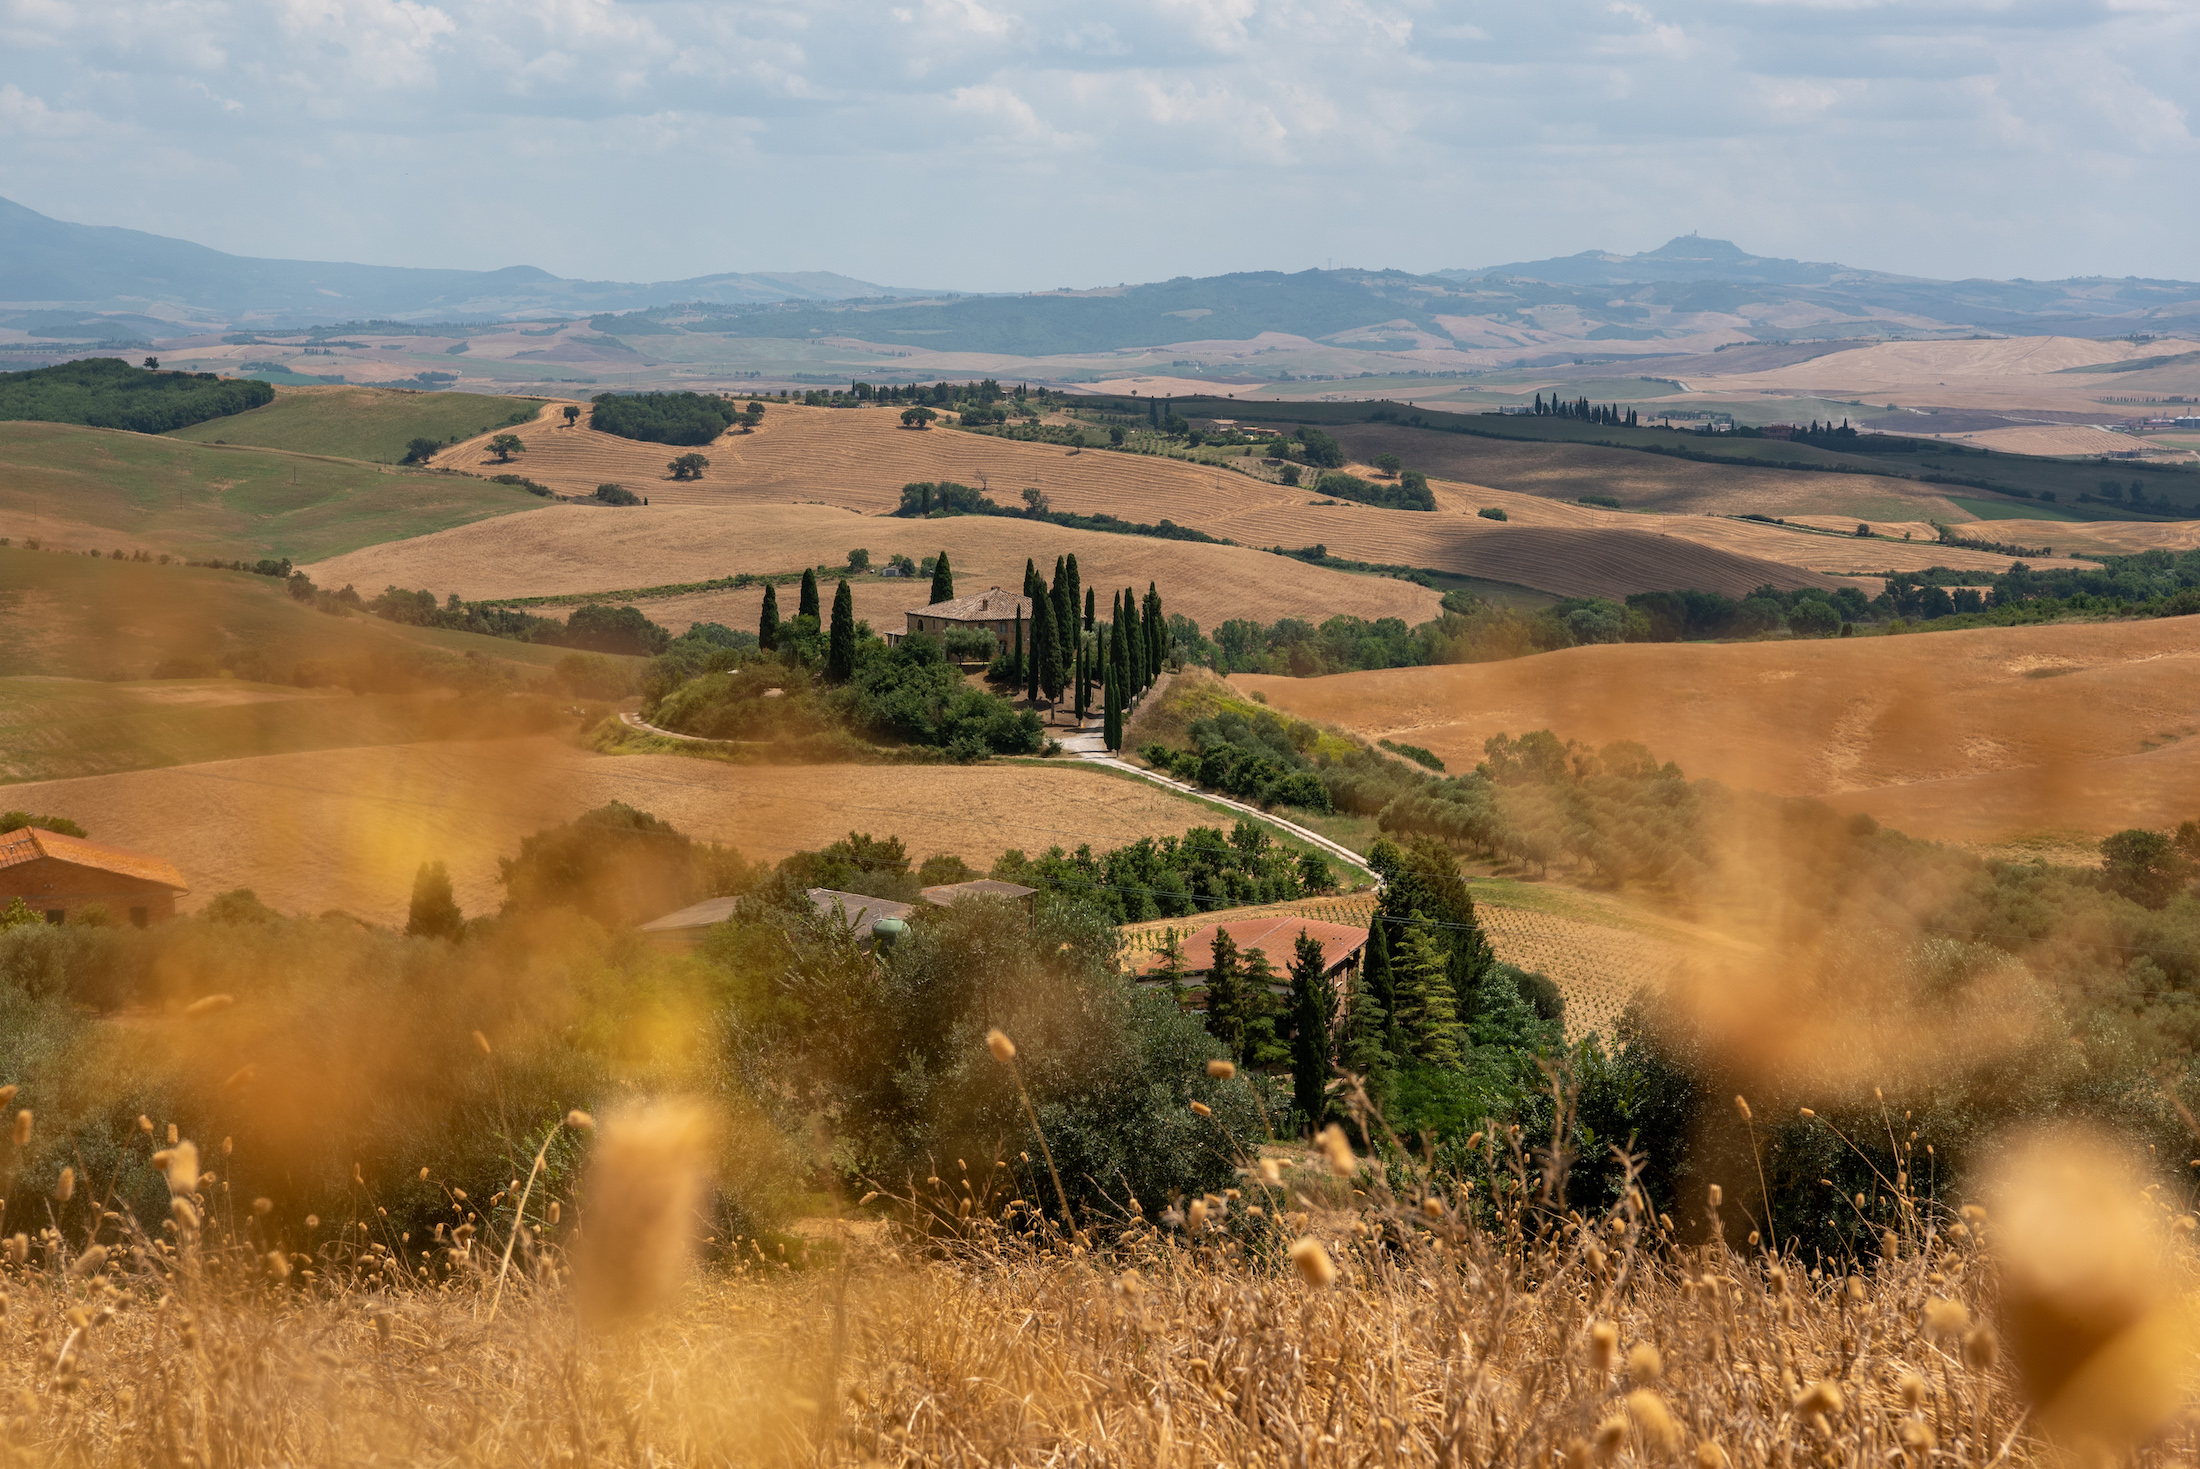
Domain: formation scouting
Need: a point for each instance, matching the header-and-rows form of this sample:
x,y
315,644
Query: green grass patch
x,y
208,500
2015,510
361,423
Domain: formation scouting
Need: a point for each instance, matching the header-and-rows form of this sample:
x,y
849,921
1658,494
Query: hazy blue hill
x,y
48,263
1683,258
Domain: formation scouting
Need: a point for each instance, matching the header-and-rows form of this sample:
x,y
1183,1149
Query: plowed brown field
x,y
575,548
347,828
1983,736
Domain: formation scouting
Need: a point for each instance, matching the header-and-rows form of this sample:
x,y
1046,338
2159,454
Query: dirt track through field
x,y
1980,736
347,828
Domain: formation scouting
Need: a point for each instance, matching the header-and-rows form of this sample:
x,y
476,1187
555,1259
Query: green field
x,y
2016,510
360,423
203,500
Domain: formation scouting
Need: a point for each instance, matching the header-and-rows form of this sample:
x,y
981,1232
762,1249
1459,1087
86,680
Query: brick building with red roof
x,y
57,875
1275,936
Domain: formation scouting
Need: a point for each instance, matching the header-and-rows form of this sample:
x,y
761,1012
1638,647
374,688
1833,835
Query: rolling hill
x,y
360,423
1993,736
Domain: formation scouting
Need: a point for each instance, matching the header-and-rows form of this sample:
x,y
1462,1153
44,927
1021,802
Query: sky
x,y
1008,146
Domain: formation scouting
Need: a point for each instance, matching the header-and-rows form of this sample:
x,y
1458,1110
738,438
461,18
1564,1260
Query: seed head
x,y
1807,1112
23,1128
182,1168
1611,1437
1196,1215
1433,1207
1741,1105
1946,1318
1201,1109
1819,1397
1913,1389
1003,1049
1603,1345
1313,1262
576,1119
644,1187
1653,1420
481,1043
186,1217
1710,1456
1221,1070
1644,1365
1980,1349
91,1262
1718,1196
7,1094
207,1005
64,1188
1271,1173
1339,1149
1918,1436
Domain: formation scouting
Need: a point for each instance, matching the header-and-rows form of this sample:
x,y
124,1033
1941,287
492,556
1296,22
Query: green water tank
x,y
887,932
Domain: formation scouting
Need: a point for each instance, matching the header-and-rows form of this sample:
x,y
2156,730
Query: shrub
x,y
615,494
1491,512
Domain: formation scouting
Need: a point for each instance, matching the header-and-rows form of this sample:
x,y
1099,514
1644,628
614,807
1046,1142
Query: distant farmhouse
x,y
992,610
57,876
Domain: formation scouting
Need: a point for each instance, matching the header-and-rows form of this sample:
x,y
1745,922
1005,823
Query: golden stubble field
x,y
1986,736
347,828
860,458
578,548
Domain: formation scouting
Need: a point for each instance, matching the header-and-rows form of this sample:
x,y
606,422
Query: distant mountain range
x,y
65,282
55,275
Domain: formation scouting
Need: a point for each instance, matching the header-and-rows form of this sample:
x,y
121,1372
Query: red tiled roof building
x,y
57,875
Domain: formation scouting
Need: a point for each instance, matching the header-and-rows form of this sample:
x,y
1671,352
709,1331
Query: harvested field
x,y
2074,727
577,548
347,828
2099,537
1561,472
2012,373
860,459
2062,440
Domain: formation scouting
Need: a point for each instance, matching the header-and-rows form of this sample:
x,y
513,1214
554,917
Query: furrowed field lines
x,y
577,549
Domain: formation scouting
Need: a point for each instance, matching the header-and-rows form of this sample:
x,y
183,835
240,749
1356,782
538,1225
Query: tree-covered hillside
x,y
106,392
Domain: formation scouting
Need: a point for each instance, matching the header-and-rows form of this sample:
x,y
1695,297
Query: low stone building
x,y
57,876
992,610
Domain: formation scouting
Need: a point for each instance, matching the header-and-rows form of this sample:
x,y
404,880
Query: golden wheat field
x,y
1982,736
1331,1309
573,548
2010,372
347,828
860,459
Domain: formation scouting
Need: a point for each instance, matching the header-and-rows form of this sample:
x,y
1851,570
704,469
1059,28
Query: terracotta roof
x,y
988,606
985,887
1276,937
28,844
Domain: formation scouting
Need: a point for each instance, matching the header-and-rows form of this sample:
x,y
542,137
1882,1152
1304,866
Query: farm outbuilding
x,y
992,610
59,876
947,894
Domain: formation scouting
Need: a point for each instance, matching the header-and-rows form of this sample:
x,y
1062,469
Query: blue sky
x,y
982,144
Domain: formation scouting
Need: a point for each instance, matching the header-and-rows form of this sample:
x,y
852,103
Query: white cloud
x,y
661,138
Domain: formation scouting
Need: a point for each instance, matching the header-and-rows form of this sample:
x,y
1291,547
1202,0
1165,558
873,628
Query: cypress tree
x,y
1226,996
1157,634
1367,1023
1065,610
1377,976
840,650
1089,624
807,607
943,580
1134,643
1031,650
1313,1009
434,912
1016,654
767,623
1048,648
1033,587
1118,680
1111,714
1076,590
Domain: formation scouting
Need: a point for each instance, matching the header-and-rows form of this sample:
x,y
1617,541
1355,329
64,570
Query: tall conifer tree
x,y
807,607
943,581
840,650
1049,650
767,622
1313,1010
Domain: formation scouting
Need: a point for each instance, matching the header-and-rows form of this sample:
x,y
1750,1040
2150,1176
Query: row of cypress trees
x,y
1583,409
840,643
